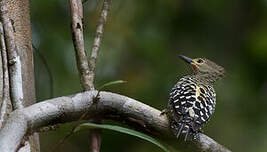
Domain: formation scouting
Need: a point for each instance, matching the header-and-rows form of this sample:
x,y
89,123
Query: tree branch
x,y
14,61
14,64
97,41
76,10
70,108
205,143
95,135
6,106
86,75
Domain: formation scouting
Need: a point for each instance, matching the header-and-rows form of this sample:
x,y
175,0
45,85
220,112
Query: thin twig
x,y
97,41
78,42
95,134
15,75
62,140
76,10
86,72
71,132
6,105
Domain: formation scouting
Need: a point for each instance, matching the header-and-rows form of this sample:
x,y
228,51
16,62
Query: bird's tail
x,y
183,128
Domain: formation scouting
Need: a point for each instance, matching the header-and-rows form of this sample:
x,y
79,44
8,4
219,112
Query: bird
x,y
192,100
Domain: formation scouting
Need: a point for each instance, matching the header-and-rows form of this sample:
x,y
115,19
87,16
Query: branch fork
x,y
70,108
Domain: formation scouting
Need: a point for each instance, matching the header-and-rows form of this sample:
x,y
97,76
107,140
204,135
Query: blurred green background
x,y
141,44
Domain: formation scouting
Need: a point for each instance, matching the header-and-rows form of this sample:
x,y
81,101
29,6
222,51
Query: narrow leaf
x,y
123,130
111,83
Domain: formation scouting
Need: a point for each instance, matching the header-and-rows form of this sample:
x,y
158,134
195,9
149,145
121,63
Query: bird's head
x,y
205,67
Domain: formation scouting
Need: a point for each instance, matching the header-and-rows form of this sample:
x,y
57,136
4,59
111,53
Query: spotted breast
x,y
192,103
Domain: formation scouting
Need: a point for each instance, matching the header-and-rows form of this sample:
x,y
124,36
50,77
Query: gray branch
x,y
76,11
95,135
97,41
14,61
70,108
6,104
205,143
14,64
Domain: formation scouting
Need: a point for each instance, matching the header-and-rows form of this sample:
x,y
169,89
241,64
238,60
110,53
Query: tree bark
x,y
19,14
110,106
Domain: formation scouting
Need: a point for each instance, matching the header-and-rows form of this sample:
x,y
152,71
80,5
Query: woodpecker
x,y
192,99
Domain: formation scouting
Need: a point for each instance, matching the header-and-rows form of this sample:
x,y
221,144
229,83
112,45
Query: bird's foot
x,y
165,112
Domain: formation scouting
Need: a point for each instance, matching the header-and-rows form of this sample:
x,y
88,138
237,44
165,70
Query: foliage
x,y
122,130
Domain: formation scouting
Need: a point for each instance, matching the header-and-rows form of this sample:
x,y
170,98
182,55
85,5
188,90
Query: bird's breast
x,y
190,98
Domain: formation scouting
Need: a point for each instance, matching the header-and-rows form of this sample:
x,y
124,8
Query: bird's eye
x,y
200,61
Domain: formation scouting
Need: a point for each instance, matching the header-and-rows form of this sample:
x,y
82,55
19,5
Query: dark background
x,y
141,44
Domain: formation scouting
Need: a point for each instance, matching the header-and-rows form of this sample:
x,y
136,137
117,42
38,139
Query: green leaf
x,y
122,130
111,83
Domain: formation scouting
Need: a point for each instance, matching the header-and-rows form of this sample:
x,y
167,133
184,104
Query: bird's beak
x,y
186,59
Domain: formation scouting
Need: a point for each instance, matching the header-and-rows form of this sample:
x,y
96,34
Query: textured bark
x,y
1,67
76,11
6,106
19,13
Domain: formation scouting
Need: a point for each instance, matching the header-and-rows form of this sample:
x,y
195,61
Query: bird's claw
x,y
164,112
